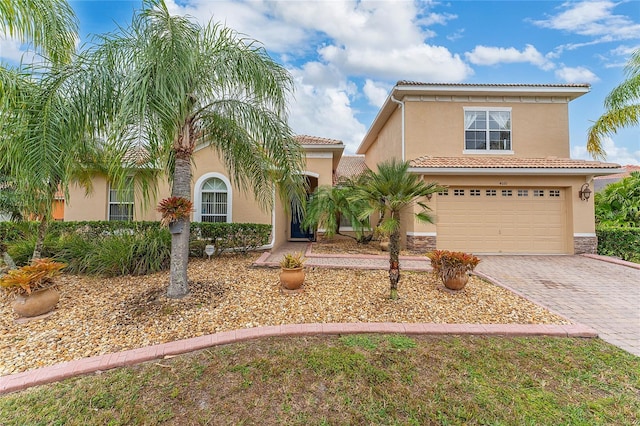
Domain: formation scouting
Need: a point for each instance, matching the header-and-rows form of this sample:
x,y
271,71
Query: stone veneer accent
x,y
583,245
421,242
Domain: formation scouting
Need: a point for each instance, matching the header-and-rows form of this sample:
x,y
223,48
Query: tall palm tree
x,y
49,24
388,192
172,84
622,108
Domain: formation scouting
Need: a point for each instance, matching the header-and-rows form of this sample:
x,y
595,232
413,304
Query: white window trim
x,y
110,203
197,195
488,151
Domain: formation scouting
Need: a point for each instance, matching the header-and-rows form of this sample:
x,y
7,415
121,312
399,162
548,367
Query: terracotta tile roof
x,y
508,163
350,166
497,85
618,176
315,140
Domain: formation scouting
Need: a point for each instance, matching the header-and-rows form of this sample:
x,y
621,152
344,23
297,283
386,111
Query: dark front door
x,y
296,229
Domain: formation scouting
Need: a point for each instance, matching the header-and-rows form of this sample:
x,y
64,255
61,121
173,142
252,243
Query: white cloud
x,y
325,110
486,55
418,62
375,92
576,75
615,154
593,19
12,50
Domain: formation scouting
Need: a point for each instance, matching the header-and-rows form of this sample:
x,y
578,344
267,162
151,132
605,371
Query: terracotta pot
x,y
37,303
458,282
292,278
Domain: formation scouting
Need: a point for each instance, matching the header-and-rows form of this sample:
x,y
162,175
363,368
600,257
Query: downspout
x,y
273,225
401,103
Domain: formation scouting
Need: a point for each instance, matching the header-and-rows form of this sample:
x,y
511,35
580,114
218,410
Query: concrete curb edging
x,y
65,370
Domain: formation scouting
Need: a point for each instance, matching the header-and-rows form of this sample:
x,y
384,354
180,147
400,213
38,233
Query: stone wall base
x,y
583,245
421,243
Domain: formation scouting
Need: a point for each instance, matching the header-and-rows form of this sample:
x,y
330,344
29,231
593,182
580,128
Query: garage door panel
x,y
520,223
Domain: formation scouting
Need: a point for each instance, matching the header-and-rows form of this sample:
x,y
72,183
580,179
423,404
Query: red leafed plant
x,y
29,278
448,264
174,209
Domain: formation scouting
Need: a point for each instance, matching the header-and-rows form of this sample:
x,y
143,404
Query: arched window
x,y
214,201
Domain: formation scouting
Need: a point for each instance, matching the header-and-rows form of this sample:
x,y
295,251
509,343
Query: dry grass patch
x,y
354,380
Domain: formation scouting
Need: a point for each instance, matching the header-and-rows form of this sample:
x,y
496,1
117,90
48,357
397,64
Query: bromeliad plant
x,y
292,261
29,278
173,209
449,264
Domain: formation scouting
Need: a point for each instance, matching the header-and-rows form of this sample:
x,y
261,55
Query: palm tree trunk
x,y
42,231
394,262
178,281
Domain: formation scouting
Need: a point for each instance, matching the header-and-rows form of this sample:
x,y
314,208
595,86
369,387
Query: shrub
x,y
619,242
29,278
117,248
240,237
449,264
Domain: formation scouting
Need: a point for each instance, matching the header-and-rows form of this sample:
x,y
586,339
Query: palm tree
x,y
49,24
43,145
170,84
388,192
328,204
622,108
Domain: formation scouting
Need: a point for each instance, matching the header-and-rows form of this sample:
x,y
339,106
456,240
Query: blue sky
x,y
345,56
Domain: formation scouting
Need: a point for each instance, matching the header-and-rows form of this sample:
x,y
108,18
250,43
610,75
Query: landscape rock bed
x,y
98,315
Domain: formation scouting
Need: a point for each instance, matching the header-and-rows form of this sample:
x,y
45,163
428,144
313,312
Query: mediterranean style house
x,y
214,197
501,150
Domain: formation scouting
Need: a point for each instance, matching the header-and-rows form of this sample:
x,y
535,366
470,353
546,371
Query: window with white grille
x,y
121,201
213,205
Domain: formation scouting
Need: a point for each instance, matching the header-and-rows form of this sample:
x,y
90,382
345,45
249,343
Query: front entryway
x,y
296,232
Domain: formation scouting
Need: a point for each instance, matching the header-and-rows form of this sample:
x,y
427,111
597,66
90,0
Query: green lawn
x,y
356,379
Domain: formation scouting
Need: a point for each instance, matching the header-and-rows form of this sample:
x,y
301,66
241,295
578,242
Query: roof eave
x,y
576,171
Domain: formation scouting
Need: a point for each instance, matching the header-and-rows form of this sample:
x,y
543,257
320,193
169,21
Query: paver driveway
x,y
602,295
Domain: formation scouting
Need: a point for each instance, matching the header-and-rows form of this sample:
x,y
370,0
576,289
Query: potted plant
x,y
292,271
453,267
173,210
33,287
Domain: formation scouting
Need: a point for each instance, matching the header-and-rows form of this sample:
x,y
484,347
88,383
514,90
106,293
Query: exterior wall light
x,y
584,192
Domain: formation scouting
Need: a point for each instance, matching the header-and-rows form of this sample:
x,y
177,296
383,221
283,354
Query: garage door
x,y
502,220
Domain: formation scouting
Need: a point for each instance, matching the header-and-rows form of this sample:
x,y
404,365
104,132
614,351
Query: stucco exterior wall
x,y
388,144
436,128
244,207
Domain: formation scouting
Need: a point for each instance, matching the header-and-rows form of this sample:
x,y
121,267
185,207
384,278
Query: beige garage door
x,y
502,220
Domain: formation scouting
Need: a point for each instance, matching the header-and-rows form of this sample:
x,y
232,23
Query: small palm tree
x,y
388,192
329,204
622,108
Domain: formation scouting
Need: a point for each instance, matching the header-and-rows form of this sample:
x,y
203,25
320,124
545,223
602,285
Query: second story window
x,y
487,130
